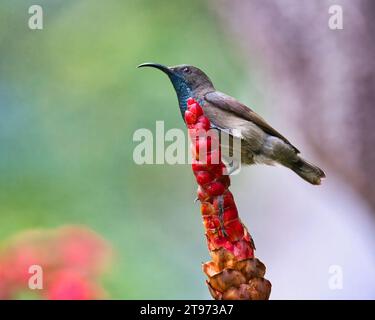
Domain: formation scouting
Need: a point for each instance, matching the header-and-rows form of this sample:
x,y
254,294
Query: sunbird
x,y
260,143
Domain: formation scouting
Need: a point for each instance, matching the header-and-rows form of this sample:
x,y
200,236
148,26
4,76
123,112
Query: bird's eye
x,y
186,70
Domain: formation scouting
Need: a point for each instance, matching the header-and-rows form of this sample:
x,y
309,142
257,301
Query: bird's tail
x,y
308,171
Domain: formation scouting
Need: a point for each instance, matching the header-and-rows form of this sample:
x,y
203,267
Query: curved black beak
x,y
165,69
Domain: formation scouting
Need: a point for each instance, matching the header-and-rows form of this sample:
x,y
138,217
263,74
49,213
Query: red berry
x,y
225,181
203,177
215,169
207,209
190,101
215,189
230,214
202,194
211,222
203,123
196,109
190,117
197,166
234,230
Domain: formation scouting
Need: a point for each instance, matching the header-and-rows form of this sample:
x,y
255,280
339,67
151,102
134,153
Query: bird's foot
x,y
221,215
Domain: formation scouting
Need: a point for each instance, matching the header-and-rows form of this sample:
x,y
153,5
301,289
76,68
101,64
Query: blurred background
x,y
71,99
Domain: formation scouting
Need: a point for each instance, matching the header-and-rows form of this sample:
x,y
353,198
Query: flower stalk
x,y
233,273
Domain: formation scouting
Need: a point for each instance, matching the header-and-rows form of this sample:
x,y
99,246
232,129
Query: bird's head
x,y
187,80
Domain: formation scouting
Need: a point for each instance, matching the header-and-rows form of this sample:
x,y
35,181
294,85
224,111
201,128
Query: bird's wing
x,y
229,105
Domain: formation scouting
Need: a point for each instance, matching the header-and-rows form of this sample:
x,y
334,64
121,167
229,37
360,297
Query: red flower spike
x,y
228,240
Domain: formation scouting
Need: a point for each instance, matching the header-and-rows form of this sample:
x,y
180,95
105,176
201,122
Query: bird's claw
x,y
221,215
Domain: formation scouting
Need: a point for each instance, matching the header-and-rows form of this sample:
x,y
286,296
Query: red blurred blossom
x,y
72,285
72,259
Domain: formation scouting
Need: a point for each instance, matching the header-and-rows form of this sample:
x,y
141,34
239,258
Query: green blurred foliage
x,y
70,100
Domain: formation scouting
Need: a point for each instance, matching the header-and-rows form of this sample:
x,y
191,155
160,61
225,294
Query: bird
x,y
260,142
